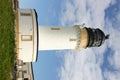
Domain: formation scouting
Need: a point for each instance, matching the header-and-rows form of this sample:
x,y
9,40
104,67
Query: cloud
x,y
86,64
80,66
112,75
84,11
114,45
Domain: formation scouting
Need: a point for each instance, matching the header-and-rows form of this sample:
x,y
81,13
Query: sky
x,y
102,63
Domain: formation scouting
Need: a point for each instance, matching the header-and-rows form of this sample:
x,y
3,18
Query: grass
x,y
7,54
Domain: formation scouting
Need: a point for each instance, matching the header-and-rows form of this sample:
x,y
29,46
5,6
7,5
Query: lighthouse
x,y
30,38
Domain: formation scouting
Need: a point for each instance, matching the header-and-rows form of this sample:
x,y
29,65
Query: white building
x,y
30,38
24,71
26,35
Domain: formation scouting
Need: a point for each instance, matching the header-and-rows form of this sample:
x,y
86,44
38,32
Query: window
x,y
55,28
25,14
72,39
24,71
26,37
24,63
26,79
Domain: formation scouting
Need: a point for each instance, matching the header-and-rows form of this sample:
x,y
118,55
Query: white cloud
x,y
113,43
86,64
80,66
112,75
84,11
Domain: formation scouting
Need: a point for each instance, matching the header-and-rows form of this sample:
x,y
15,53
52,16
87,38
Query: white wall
x,y
50,39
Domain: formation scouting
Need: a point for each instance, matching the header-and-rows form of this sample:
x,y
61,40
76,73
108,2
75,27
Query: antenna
x,y
107,36
83,24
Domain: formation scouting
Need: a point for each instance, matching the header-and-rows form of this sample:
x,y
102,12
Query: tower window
x,y
72,39
25,14
55,28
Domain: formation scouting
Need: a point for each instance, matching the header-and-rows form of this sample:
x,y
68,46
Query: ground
x,y
7,54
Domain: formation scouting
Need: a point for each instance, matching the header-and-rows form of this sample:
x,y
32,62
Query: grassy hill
x,y
6,39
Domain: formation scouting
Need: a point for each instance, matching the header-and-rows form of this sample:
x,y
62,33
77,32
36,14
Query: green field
x,y
7,54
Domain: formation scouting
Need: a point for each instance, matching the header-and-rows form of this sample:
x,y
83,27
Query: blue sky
x,y
83,64
48,61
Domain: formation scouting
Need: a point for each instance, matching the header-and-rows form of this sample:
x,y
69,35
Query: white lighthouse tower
x,y
30,37
59,38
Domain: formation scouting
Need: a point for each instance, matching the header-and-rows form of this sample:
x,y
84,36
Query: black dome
x,y
96,37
